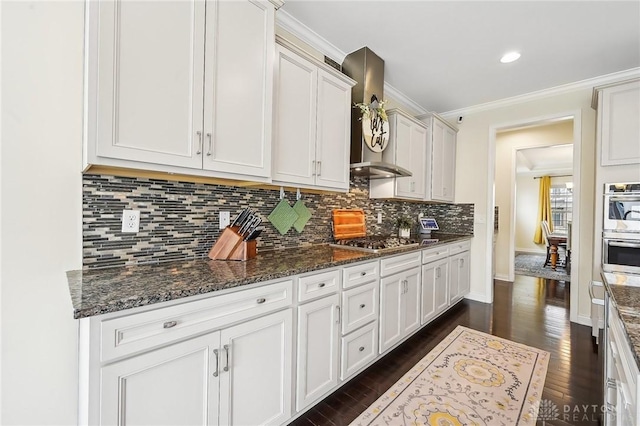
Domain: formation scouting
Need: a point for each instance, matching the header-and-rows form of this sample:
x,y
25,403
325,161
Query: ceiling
x,y
552,159
445,55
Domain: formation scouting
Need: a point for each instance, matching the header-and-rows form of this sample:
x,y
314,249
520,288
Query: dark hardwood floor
x,y
532,311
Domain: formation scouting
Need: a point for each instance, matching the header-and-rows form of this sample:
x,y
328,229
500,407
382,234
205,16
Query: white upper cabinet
x,y
443,160
312,122
619,123
408,148
185,84
238,87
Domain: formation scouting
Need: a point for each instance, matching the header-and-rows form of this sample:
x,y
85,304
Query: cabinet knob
x,y
363,273
362,306
261,300
361,348
169,324
321,285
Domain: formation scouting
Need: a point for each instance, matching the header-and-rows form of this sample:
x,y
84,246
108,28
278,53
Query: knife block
x,y
231,247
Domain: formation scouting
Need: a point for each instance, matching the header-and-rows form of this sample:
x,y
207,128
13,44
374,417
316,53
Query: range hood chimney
x,y
367,69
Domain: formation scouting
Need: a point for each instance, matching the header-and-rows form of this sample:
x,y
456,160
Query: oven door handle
x,y
623,244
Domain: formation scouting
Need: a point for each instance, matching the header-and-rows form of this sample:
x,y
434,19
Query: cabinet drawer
x,y
359,306
316,285
358,349
623,356
360,274
456,248
391,265
139,332
434,254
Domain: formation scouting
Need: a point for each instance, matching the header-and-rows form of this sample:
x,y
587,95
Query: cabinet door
x,y
443,159
459,281
318,334
441,290
295,118
401,132
437,164
464,284
419,145
619,122
428,292
391,292
256,389
449,164
240,43
411,302
169,386
334,130
148,93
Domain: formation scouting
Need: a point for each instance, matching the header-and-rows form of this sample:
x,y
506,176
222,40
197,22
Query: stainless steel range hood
x,y
367,69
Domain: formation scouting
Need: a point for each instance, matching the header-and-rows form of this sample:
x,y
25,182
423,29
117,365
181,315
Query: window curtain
x,y
544,208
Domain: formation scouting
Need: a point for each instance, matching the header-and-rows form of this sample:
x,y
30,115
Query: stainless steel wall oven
x,y
621,252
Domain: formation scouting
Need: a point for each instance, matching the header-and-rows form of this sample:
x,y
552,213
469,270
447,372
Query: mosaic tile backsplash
x,y
179,220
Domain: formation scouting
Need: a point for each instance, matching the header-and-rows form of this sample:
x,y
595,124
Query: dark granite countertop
x,y
101,291
624,290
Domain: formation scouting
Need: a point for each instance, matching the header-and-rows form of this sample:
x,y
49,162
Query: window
x,y
561,207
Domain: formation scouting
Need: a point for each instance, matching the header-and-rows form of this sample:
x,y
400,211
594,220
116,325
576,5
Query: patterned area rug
x,y
470,378
532,265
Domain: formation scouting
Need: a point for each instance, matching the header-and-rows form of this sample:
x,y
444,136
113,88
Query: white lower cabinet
x,y
358,349
230,359
399,307
318,340
622,376
459,276
168,386
212,379
435,287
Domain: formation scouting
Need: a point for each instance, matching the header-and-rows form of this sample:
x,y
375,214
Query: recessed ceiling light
x,y
510,57
358,169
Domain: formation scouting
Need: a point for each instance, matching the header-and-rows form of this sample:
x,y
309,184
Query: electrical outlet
x,y
379,217
130,221
225,220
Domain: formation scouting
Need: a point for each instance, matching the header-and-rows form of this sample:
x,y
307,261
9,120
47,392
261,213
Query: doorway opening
x,y
523,151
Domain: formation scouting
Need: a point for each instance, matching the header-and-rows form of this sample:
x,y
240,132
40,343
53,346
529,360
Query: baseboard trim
x,y
478,297
583,320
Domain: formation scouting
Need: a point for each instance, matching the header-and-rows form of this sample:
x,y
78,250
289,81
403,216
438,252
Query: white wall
x,y
42,47
473,184
527,214
507,143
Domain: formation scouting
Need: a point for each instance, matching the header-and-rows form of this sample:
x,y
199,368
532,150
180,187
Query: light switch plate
x,y
225,220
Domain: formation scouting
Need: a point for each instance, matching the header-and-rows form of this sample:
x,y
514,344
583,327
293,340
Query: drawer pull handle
x,y
321,285
215,373
363,273
361,348
362,306
169,324
226,350
261,300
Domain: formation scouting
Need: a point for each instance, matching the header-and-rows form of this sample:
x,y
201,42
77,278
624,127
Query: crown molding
x,y
306,34
545,93
403,99
313,39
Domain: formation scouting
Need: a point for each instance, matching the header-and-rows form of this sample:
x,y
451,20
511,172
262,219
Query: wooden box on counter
x,y
230,246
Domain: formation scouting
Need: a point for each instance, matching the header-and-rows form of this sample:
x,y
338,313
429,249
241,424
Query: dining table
x,y
554,241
